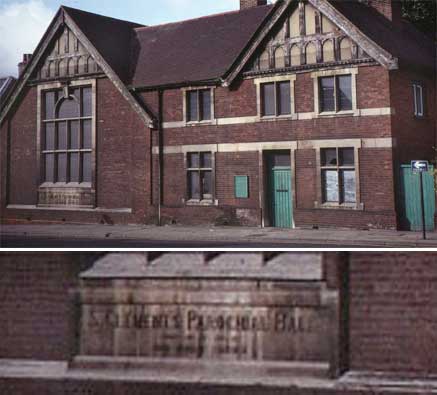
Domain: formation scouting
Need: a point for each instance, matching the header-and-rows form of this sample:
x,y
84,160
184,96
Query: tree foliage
x,y
422,13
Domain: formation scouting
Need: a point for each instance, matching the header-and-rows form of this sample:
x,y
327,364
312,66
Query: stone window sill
x,y
206,202
61,185
339,206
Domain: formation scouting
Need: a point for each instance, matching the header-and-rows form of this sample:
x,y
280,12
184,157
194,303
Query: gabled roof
x,y
199,49
6,84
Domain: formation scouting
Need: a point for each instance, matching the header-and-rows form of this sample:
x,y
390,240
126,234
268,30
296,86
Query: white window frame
x,y
418,96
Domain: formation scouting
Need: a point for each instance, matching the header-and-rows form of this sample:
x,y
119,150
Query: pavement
x,y
149,236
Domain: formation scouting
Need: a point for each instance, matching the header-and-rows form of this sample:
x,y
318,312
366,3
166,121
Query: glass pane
x,y
345,92
207,184
62,135
329,157
192,106
86,167
206,160
50,136
62,168
49,167
327,98
68,109
74,135
348,186
193,160
193,185
330,185
74,167
268,99
87,135
86,102
284,98
281,160
347,157
49,105
205,97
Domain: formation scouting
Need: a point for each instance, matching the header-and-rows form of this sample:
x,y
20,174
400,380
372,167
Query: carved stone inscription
x,y
275,331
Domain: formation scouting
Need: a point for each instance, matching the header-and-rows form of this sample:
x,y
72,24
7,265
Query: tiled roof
x,y
6,84
194,50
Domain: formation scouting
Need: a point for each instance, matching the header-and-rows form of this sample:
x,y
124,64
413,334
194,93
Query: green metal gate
x,y
280,197
410,204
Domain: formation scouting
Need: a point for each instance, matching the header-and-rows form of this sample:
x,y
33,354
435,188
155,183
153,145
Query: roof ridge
x,y
199,18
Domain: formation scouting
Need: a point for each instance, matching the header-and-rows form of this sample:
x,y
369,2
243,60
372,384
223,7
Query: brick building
x,y
380,337
291,114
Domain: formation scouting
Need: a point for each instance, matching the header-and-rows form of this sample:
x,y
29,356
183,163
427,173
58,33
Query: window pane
x,y
86,167
68,109
330,185
50,136
329,157
192,106
205,97
346,156
62,168
193,160
74,135
348,186
87,135
284,98
268,99
49,105
207,184
74,167
327,98
206,159
281,160
62,135
193,185
345,92
86,102
49,167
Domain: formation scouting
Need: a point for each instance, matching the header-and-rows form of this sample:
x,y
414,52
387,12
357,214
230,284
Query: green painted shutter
x,y
241,187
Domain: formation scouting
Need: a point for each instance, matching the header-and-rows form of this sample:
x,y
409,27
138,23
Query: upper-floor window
x,y
418,100
276,98
335,93
199,105
66,138
200,176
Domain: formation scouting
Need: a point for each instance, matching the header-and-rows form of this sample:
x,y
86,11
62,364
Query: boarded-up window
x,y
328,51
345,49
279,58
199,175
276,98
338,175
295,55
198,105
241,187
264,63
327,25
311,54
310,19
294,24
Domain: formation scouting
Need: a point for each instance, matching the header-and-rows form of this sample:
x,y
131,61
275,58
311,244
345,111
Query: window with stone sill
x,y
338,176
200,176
66,138
335,94
276,99
199,105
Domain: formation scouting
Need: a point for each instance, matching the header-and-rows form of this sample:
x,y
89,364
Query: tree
x,y
422,13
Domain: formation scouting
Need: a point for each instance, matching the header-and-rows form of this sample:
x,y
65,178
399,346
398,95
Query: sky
x,y
23,22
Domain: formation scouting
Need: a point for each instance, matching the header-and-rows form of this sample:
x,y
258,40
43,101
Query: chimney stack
x,y
391,9
26,59
244,4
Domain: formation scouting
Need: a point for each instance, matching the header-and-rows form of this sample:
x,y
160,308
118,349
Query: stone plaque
x,y
226,309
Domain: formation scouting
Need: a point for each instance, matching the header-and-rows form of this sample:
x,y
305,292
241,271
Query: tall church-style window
x,y
67,137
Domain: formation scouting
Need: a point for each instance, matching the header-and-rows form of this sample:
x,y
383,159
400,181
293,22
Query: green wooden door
x,y
410,204
280,198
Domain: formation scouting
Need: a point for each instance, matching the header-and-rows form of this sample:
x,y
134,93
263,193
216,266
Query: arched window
x,y
345,49
295,55
279,58
71,67
62,68
51,71
311,54
91,65
81,65
264,63
328,51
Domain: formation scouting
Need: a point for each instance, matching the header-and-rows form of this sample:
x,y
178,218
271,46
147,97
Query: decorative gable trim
x,y
60,19
373,49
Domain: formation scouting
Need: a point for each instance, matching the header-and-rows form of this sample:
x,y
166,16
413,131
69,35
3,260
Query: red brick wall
x,y
240,101
392,312
373,87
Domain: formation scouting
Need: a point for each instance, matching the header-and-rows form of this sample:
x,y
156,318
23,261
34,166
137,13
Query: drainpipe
x,y
160,155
